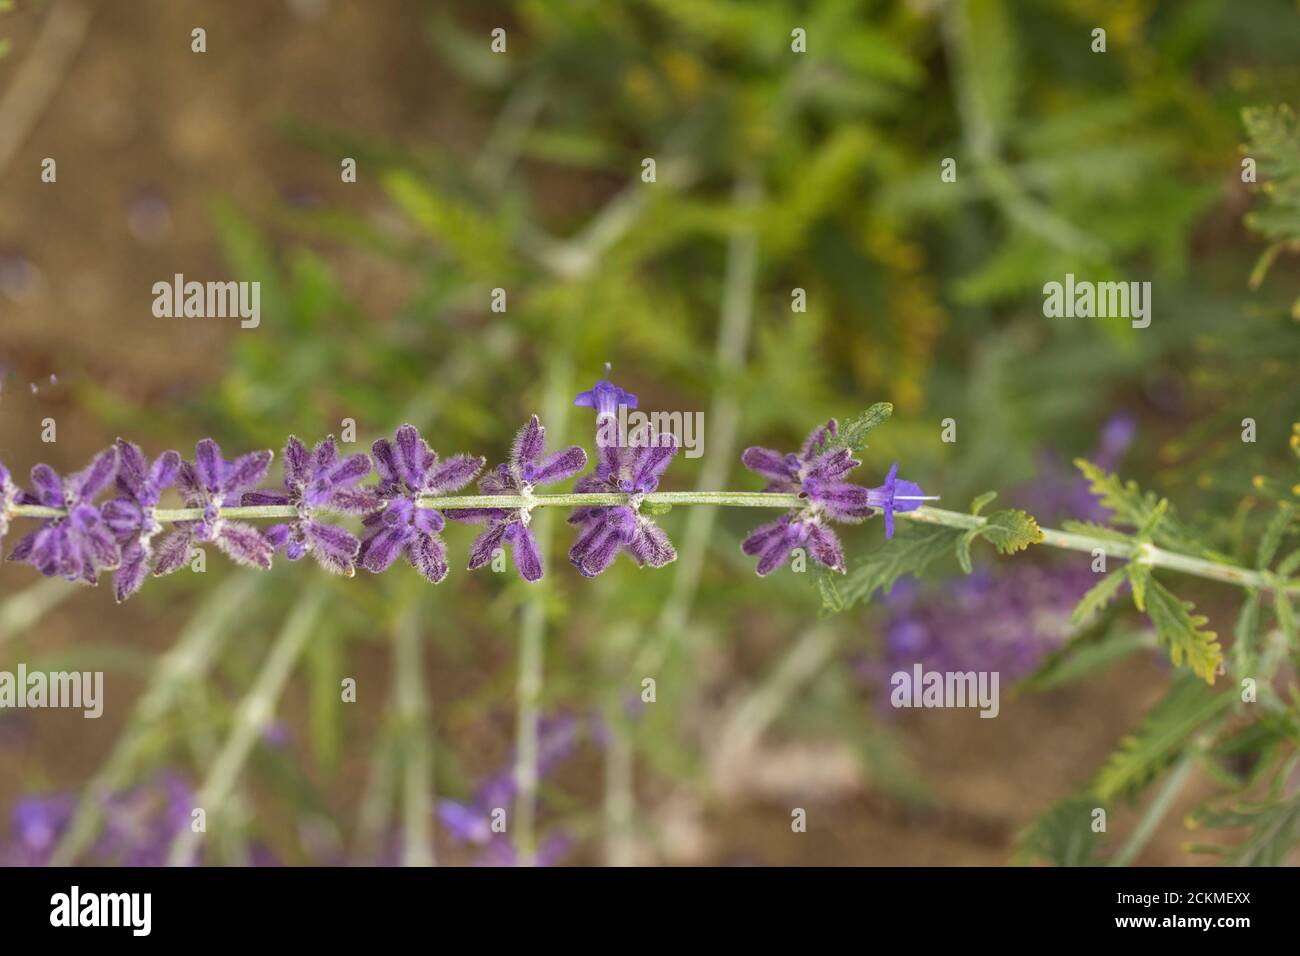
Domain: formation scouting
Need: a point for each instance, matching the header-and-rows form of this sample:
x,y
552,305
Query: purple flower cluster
x,y
816,474
118,535
314,483
526,469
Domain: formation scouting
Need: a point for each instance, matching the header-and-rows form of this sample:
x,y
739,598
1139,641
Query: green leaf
x,y
1274,831
1139,576
1083,656
1011,530
1271,539
1062,835
1131,505
1180,629
912,550
1285,612
1143,511
1164,733
1094,530
1245,635
978,504
1098,596
853,435
656,508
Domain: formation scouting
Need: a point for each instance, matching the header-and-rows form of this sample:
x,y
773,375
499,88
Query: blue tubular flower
x,y
408,468
130,517
211,482
526,470
816,473
605,397
608,529
319,482
78,545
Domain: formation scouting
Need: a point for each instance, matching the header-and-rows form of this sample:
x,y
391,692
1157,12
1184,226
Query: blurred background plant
x,y
797,257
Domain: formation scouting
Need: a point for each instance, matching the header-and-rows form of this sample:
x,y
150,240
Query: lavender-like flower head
x,y
130,517
526,469
816,473
319,482
408,468
631,469
211,483
78,545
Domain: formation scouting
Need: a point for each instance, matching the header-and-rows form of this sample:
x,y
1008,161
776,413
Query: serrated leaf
x,y
1137,509
1179,628
1011,530
1083,656
1245,635
1094,530
853,435
1098,596
1139,576
1271,539
1161,738
828,588
911,551
1062,835
1275,831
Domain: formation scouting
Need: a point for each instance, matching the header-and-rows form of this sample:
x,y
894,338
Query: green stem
x,y
254,712
413,717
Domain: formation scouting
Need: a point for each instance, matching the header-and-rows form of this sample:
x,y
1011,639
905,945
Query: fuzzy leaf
x,y
1180,629
1011,530
911,551
853,435
1098,596
1062,835
1164,733
1275,831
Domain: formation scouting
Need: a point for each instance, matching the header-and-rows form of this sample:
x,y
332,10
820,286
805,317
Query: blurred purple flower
x,y
1006,622
526,469
553,850
816,473
139,825
78,545
409,468
558,737
211,483
1058,492
319,482
130,517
